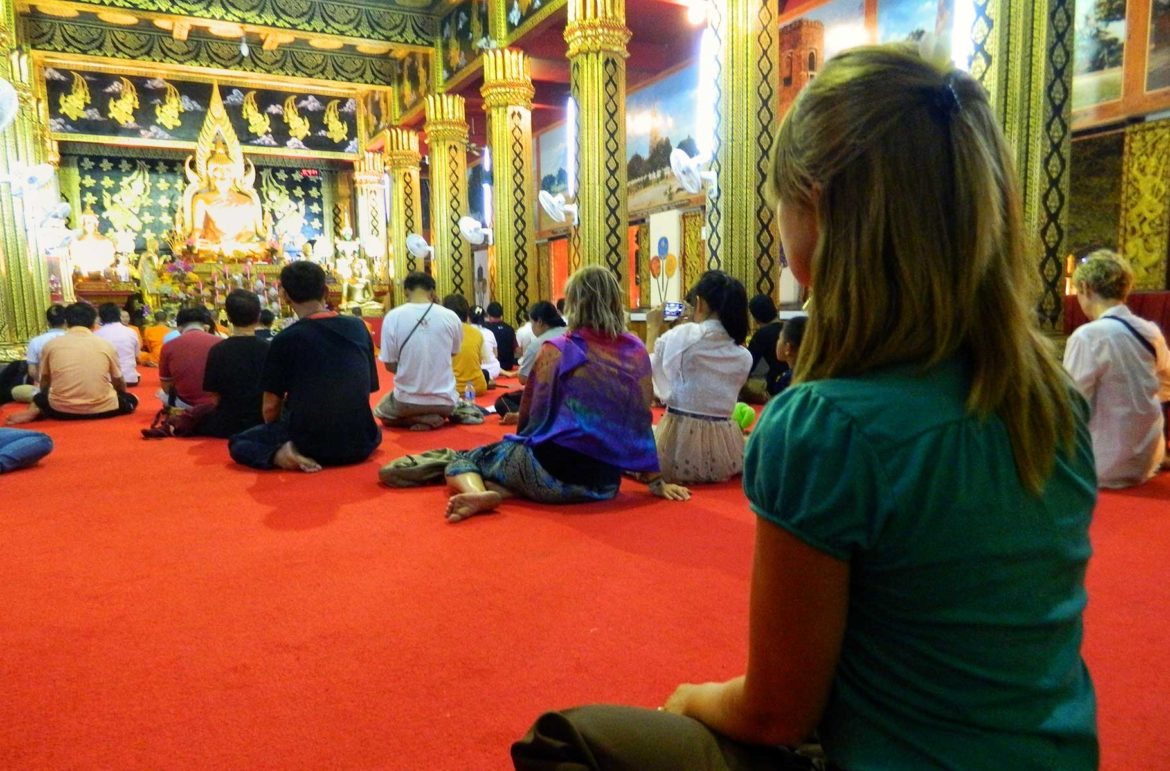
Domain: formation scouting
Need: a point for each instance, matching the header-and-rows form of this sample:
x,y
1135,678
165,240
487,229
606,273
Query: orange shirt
x,y
153,342
80,365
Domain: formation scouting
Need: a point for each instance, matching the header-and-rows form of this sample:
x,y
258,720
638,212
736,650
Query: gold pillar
x,y
403,160
1022,54
597,36
507,93
446,128
741,235
1145,203
369,179
24,284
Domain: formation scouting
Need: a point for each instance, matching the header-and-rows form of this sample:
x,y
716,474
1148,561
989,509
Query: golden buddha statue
x,y
91,252
220,212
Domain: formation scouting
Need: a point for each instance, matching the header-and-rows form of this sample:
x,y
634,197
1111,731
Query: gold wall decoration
x,y
259,124
644,263
122,207
1022,54
298,125
403,160
123,105
694,251
742,236
597,36
1144,235
74,103
507,93
23,271
446,127
335,128
170,108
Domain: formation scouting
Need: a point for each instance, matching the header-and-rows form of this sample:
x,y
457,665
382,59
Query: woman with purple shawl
x,y
584,417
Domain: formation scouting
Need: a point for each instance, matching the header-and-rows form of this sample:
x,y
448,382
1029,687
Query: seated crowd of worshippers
x,y
300,399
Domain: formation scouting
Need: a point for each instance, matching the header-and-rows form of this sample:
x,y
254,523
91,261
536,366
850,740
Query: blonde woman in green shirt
x,y
924,490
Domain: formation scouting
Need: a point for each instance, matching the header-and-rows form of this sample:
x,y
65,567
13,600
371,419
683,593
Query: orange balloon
x,y
671,265
655,267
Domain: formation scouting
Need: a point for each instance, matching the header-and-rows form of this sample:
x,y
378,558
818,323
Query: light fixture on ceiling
x,y
244,49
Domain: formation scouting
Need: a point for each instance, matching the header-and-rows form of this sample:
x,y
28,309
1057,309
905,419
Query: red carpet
x,y
162,608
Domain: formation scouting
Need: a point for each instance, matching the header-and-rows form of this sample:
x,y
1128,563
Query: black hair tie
x,y
946,98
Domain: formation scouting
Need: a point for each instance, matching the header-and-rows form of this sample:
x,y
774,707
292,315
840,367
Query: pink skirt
x,y
694,450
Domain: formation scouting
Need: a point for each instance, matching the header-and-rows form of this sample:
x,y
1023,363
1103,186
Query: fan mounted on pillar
x,y
474,231
690,172
556,208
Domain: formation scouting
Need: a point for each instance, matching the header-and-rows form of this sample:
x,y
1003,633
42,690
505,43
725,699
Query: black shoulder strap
x,y
414,329
1145,343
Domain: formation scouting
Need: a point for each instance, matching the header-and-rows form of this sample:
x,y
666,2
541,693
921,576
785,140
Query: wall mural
x,y
911,20
90,104
810,38
378,110
140,196
1099,53
459,34
1158,57
659,118
412,80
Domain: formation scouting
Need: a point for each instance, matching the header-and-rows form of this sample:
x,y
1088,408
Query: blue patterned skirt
x,y
512,465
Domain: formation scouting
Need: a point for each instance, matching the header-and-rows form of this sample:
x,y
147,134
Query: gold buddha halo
x,y
59,11
120,19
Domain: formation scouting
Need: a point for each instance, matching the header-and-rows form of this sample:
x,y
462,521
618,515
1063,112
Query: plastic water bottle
x,y
469,392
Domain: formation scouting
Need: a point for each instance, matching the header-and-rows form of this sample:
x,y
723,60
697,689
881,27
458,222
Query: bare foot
x,y
287,457
24,416
510,419
464,505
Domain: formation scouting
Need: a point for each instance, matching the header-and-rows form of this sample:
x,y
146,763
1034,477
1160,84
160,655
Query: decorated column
x,y
446,127
23,275
1022,53
369,180
402,160
741,233
507,93
597,36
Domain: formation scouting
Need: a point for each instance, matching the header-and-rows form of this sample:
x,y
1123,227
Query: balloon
x,y
663,246
9,104
655,267
671,265
743,415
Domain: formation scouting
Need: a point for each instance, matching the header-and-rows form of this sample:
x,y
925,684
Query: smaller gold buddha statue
x,y
91,252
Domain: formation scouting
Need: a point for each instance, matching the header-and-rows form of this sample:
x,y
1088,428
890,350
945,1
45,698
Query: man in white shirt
x,y
419,338
55,316
124,339
1121,365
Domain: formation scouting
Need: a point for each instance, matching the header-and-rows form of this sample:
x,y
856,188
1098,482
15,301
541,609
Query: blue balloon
x,y
663,246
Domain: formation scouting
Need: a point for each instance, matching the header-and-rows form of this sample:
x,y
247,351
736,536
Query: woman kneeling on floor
x,y
584,417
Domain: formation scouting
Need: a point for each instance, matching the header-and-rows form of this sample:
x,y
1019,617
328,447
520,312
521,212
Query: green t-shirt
x,y
962,645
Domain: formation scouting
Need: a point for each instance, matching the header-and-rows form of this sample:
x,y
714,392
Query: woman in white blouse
x,y
1121,366
698,370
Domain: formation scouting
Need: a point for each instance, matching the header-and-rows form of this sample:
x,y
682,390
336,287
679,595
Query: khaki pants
x,y
399,414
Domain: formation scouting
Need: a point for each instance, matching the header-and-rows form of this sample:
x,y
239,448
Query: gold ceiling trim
x,y
72,9
172,144
197,74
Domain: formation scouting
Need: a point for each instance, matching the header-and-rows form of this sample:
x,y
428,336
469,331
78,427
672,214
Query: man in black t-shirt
x,y
233,370
504,334
317,382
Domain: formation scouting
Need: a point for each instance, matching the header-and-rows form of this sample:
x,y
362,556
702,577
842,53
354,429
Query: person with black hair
x,y
316,383
232,375
766,367
699,369
788,347
123,337
491,352
547,324
419,337
20,378
468,364
80,377
505,336
184,361
264,328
